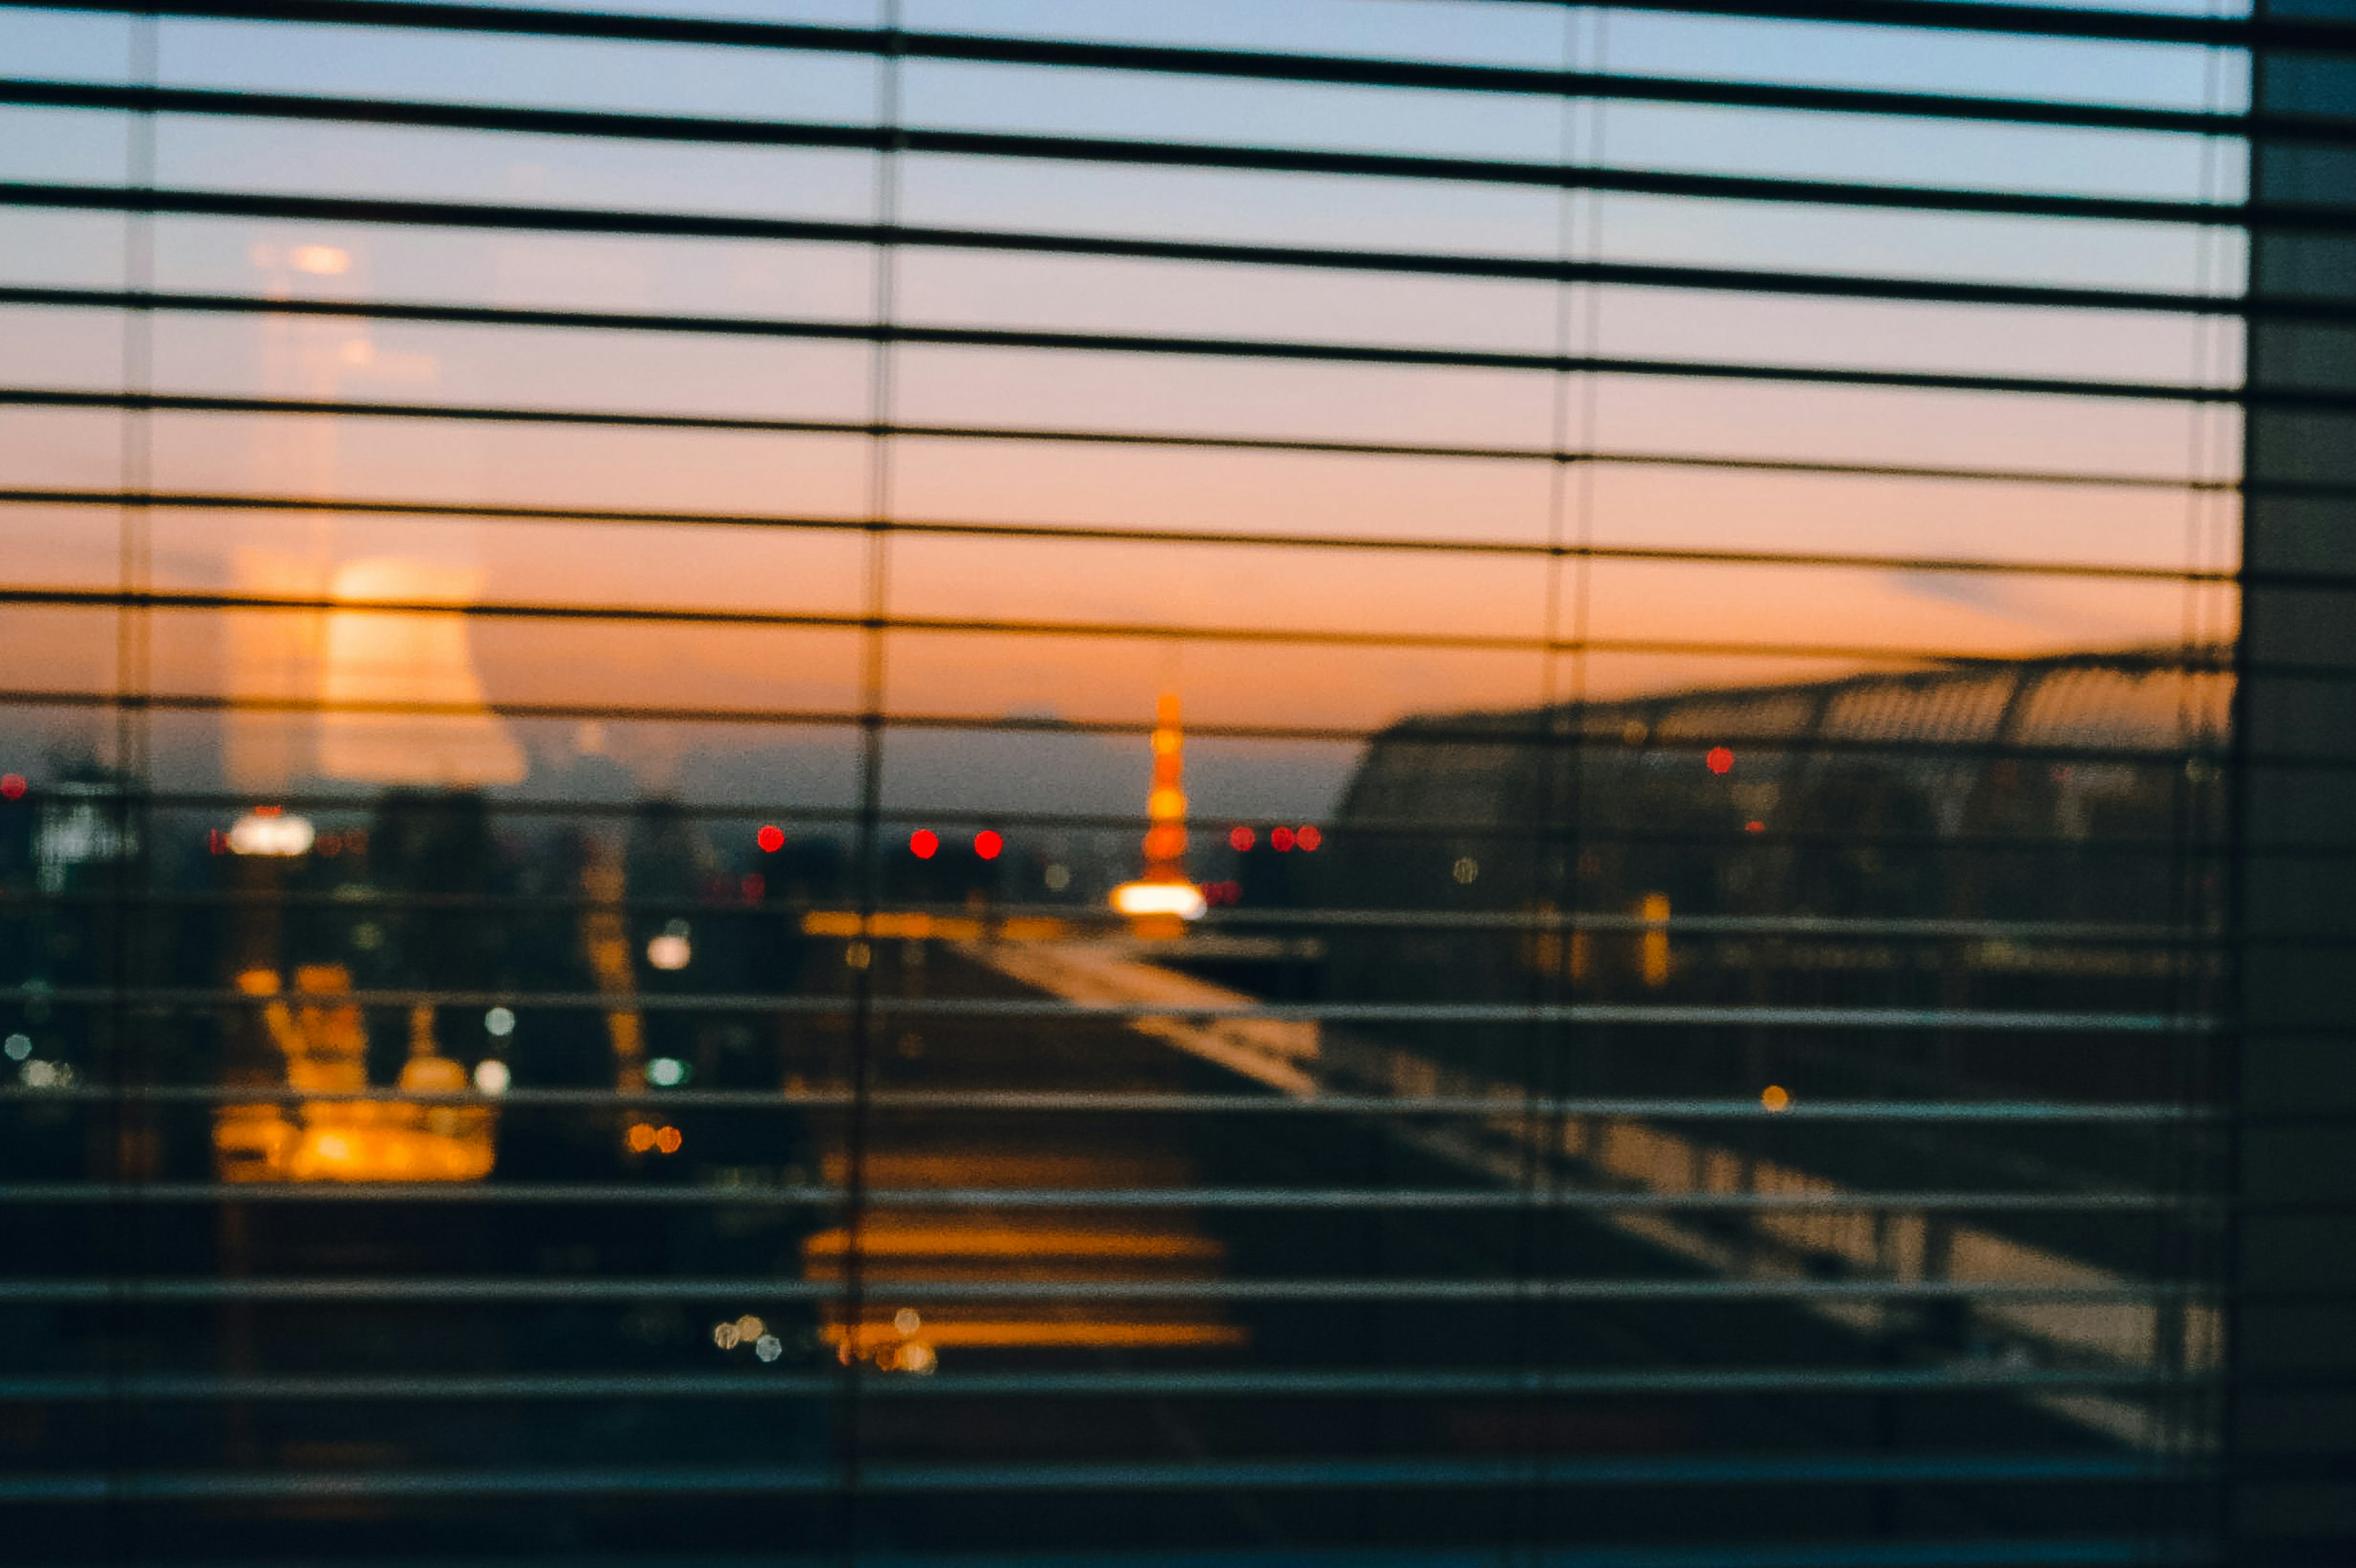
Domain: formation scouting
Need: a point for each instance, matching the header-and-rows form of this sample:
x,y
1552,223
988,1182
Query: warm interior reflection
x,y
332,1131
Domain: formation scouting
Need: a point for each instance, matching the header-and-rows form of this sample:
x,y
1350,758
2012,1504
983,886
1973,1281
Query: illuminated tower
x,y
1165,806
1163,899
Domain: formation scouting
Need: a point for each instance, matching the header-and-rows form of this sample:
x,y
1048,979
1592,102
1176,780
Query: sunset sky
x,y
1517,601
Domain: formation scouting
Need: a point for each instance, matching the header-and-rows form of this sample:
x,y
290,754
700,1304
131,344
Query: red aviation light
x,y
1721,759
924,843
771,838
987,844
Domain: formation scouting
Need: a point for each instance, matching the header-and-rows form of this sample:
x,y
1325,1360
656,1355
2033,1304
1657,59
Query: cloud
x,y
1991,593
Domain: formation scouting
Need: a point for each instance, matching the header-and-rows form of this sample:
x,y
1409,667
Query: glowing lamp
x,y
924,843
271,833
988,845
771,838
1183,899
670,950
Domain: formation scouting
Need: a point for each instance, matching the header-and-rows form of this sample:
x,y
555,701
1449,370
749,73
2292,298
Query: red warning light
x,y
1307,837
771,838
1721,759
12,785
987,844
925,843
1280,838
1241,838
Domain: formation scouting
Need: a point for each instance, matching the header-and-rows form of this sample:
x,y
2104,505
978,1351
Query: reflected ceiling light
x,y
1183,899
670,950
269,831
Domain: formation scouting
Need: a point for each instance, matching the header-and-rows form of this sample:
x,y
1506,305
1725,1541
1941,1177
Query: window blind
x,y
1359,780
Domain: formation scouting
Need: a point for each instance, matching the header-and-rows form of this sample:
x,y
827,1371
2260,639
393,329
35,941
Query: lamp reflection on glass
x,y
266,831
